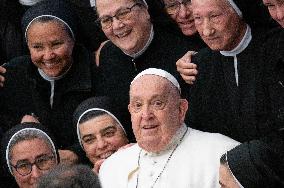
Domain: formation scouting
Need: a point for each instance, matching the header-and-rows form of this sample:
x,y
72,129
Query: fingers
x,y
188,79
186,68
185,63
2,78
68,157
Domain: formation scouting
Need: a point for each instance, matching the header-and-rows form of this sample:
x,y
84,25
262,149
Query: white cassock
x,y
194,163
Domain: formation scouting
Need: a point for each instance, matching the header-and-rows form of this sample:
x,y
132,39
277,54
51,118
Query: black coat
x,y
240,112
26,92
118,69
251,113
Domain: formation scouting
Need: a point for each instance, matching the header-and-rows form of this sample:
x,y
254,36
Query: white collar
x,y
135,55
52,79
242,45
174,141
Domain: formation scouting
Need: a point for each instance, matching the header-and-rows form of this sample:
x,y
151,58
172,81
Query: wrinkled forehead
x,y
210,4
111,6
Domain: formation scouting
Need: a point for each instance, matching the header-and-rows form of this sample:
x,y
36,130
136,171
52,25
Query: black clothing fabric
x,y
103,102
240,112
251,112
118,69
57,8
89,32
256,14
26,92
11,38
259,163
273,56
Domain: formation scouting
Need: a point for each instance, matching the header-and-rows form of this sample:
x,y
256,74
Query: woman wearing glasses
x,y
29,152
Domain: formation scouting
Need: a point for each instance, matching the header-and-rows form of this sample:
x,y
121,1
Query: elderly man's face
x,y
218,24
128,31
156,112
276,10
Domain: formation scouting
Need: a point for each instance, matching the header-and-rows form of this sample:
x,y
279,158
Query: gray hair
x,y
94,4
65,176
28,134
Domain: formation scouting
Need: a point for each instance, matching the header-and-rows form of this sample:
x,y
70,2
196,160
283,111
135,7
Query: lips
x,y
106,154
186,22
150,126
50,64
123,34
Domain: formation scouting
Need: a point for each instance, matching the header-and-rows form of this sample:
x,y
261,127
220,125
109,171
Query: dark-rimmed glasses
x,y
173,8
43,162
122,15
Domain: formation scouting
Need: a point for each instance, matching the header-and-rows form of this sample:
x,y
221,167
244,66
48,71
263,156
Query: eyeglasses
x,y
173,8
122,15
44,162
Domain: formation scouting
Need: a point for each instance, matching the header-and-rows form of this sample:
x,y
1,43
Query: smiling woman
x,y
29,153
99,131
57,75
50,47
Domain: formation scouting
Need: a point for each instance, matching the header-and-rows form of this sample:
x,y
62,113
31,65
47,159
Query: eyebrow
x,y
87,136
101,131
108,128
164,96
26,160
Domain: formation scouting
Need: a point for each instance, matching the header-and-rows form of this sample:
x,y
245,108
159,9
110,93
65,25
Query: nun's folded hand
x,y
186,68
68,157
2,78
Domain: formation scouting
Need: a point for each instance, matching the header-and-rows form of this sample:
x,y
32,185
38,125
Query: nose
x,y
184,11
207,29
48,54
101,143
280,13
35,173
147,112
116,23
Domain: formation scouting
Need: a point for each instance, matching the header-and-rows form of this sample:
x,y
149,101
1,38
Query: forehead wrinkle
x,y
107,13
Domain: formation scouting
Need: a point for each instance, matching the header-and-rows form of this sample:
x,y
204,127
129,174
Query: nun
x,y
28,152
54,79
99,130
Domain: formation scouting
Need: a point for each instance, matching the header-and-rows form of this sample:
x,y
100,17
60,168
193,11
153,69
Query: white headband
x,y
235,7
95,109
161,73
93,3
73,36
8,146
29,2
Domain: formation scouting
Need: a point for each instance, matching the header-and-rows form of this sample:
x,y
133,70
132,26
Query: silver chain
x,y
168,160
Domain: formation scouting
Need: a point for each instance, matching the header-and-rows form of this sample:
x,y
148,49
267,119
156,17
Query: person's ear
x,y
183,106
